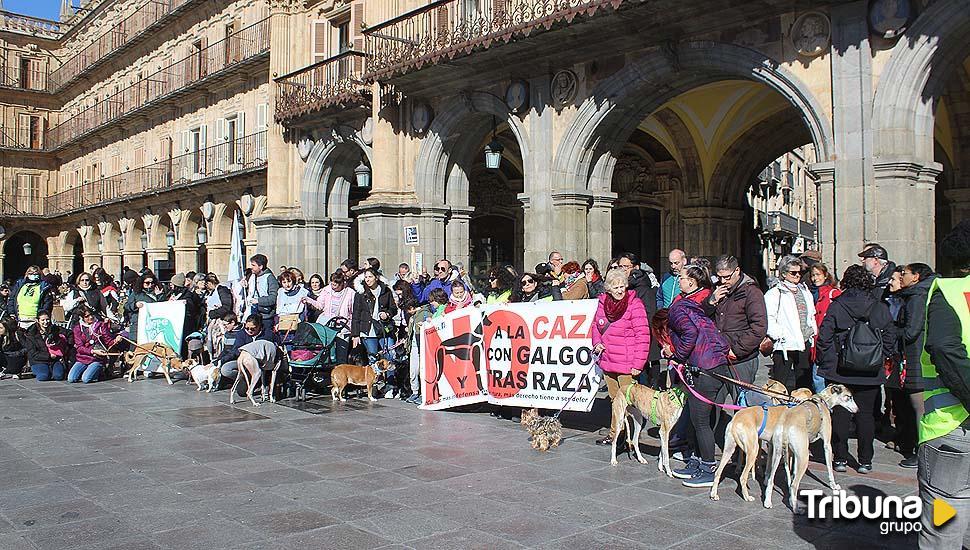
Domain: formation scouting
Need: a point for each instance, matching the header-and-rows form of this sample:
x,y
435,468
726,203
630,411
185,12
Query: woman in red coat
x,y
827,289
621,335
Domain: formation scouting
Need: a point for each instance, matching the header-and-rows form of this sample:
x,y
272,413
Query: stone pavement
x,y
143,466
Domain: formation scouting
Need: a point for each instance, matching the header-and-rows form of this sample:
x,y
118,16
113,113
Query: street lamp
x,y
170,238
121,242
202,235
144,241
362,174
493,151
28,249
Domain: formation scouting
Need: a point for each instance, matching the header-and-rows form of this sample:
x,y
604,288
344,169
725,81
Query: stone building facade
x,y
617,124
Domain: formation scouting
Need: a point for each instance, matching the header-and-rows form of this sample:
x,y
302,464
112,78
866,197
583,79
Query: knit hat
x,y
178,280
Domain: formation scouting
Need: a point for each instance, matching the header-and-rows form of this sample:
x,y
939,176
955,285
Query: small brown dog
x,y
546,431
136,357
345,375
748,428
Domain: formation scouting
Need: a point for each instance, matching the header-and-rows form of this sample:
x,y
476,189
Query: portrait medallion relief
x,y
564,85
811,34
421,116
889,18
517,96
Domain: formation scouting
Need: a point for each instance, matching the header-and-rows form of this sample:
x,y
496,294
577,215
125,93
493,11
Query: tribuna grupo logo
x,y
894,514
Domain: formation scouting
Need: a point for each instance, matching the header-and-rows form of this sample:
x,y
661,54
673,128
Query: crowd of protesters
x,y
719,320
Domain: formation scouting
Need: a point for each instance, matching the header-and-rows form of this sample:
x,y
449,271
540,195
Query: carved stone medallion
x,y
564,85
811,34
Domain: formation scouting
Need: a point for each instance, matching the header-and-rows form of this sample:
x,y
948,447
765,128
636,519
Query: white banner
x,y
162,322
522,355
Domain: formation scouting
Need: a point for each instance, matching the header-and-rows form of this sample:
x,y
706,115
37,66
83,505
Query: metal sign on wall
x,y
411,235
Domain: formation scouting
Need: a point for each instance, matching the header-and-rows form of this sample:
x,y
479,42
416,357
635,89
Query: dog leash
x,y
680,372
751,387
593,365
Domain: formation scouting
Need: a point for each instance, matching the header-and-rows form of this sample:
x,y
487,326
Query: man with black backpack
x,y
854,340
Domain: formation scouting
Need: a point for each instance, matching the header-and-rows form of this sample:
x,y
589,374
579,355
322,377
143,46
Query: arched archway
x,y
15,253
329,193
697,99
448,170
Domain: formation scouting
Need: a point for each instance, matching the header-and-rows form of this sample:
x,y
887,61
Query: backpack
x,y
861,351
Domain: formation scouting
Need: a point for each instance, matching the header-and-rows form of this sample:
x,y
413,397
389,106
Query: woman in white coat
x,y
791,325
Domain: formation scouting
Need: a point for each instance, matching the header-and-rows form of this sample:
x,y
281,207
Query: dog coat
x,y
675,395
263,351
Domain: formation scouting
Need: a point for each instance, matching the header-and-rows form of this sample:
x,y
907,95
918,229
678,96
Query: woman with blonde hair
x,y
621,335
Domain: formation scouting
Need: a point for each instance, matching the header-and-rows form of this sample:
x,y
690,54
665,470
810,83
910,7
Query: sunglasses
x,y
438,269
528,281
148,283
794,272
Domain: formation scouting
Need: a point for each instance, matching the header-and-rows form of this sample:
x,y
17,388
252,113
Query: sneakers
x,y
911,461
415,399
390,392
840,466
688,471
703,477
864,468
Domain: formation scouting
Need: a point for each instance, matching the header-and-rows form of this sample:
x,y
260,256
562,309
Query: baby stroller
x,y
313,354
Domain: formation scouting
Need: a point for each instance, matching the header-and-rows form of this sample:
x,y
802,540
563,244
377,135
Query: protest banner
x,y
521,355
162,322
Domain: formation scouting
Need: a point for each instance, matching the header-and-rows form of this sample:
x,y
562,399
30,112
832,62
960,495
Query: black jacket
x,y
882,282
741,317
131,308
36,344
46,297
945,346
912,318
14,352
364,308
194,308
845,310
640,282
225,301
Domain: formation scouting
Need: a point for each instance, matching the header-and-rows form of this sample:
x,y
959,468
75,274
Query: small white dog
x,y
209,374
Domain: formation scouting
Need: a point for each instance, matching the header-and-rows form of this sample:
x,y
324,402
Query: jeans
x,y
616,382
48,371
865,425
818,383
944,472
85,373
702,415
415,371
375,344
792,368
229,369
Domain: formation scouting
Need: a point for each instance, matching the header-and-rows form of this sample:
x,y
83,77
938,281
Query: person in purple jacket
x,y
91,340
698,345
621,335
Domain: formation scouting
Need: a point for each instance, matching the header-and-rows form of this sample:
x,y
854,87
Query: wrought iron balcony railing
x,y
168,82
15,76
26,24
19,205
333,82
127,31
449,28
226,159
20,138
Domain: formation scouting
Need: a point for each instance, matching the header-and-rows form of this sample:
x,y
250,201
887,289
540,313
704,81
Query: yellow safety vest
x,y
943,411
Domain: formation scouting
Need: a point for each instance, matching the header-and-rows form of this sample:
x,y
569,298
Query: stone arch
x,y
909,88
691,179
752,151
454,135
587,152
15,261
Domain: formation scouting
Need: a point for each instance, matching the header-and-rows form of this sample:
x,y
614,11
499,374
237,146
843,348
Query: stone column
x,y
337,242
568,217
456,235
712,230
599,226
824,172
186,258
904,209
218,258
156,255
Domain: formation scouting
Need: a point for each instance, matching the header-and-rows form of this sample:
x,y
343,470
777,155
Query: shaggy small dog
x,y
546,431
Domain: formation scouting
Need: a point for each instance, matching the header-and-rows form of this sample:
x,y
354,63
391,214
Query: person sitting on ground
x,y
46,349
13,353
252,330
574,285
146,293
91,342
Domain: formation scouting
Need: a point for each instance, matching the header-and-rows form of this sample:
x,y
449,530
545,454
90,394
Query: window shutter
x,y
320,40
203,156
221,125
240,126
23,131
261,130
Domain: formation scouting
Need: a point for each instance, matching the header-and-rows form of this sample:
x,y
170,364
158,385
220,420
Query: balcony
x,y
129,31
21,206
34,26
446,29
20,138
322,88
15,76
232,158
244,48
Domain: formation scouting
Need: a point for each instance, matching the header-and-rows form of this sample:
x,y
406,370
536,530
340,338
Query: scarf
x,y
458,304
571,278
614,309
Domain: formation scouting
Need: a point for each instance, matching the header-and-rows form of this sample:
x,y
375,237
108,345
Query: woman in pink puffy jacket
x,y
621,334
